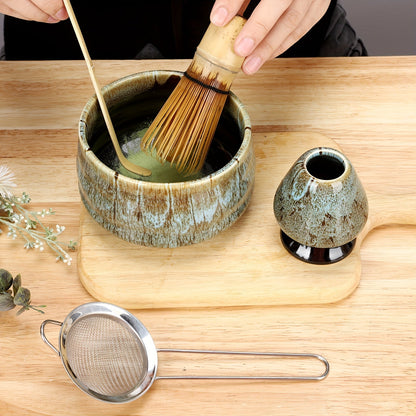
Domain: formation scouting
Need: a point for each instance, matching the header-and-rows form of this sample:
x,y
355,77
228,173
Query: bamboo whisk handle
x,y
217,45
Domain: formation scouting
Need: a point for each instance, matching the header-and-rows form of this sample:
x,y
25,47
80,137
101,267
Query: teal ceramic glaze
x,y
157,213
321,204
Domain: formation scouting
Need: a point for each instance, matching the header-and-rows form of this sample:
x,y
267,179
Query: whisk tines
x,y
183,130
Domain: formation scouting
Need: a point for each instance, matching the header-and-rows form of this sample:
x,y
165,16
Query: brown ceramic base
x,y
315,255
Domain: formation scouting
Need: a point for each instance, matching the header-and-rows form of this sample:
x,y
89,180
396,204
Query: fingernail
x,y
219,16
244,46
52,20
252,65
61,14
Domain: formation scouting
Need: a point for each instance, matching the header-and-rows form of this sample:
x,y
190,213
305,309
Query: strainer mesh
x,y
105,355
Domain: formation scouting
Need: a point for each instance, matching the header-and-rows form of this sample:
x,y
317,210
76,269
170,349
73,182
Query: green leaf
x,y
17,282
6,280
22,297
6,302
72,245
21,310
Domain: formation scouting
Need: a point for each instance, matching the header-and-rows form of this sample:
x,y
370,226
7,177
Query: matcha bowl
x,y
165,209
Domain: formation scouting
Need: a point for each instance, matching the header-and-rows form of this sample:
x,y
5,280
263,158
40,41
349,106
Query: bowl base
x,y
316,255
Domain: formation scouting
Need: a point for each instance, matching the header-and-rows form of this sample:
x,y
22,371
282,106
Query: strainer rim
x,y
136,327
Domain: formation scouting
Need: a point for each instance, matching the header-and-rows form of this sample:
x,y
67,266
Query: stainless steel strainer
x,y
110,355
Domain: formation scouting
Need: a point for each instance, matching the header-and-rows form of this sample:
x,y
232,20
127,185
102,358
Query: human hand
x,y
273,27
48,11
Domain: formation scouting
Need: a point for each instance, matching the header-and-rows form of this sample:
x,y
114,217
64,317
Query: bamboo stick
x,y
123,160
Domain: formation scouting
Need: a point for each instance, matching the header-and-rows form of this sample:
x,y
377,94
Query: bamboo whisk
x,y
183,130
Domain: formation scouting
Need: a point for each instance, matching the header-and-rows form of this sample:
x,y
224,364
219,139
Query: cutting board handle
x,y
392,209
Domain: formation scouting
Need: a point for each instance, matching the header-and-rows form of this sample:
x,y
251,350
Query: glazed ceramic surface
x,y
321,201
162,214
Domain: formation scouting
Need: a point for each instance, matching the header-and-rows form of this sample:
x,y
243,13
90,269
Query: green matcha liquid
x,y
161,172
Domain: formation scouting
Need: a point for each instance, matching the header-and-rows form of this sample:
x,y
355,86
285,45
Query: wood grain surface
x,y
224,271
368,106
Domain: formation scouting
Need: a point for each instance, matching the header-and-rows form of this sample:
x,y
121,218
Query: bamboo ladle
x,y
123,160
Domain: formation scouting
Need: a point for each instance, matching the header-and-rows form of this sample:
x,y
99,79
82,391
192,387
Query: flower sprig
x,y
27,224
13,294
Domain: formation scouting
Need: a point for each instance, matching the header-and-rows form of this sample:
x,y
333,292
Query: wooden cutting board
x,y
244,265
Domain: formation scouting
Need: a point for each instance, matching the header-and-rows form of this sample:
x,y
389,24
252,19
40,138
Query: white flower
x,y
6,182
60,228
24,223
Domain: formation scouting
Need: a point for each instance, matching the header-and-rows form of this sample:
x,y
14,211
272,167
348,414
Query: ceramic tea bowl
x,y
163,210
321,207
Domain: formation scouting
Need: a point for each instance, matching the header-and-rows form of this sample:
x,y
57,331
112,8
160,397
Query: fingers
x,y
273,27
48,11
289,23
287,33
224,10
260,24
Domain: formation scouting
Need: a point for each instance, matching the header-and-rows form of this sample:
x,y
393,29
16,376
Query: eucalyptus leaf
x,y
13,294
17,282
6,280
22,297
6,302
21,310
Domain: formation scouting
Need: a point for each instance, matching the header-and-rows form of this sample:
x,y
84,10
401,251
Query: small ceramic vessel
x,y
152,211
321,207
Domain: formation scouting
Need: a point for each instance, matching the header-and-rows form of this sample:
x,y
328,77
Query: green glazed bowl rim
x,y
213,177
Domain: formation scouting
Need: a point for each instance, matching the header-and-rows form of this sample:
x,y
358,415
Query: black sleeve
x,y
140,29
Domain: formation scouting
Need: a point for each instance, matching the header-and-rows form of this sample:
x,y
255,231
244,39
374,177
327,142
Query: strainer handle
x,y
316,377
42,334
